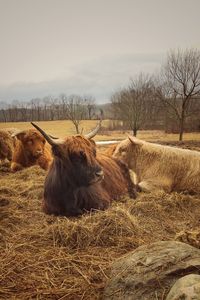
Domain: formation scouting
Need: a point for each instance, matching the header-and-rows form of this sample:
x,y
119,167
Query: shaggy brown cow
x,y
6,145
160,167
30,149
79,179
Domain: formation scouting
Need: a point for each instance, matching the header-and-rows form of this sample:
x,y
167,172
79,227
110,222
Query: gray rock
x,y
148,272
186,288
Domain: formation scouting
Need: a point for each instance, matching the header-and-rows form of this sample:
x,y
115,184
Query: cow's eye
x,y
122,150
82,155
75,157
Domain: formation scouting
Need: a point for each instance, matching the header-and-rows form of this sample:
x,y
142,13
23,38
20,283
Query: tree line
x,y
73,107
167,100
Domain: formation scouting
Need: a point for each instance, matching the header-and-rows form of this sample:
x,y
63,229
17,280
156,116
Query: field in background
x,y
63,128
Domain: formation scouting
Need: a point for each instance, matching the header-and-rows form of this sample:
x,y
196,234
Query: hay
x,y
191,237
48,257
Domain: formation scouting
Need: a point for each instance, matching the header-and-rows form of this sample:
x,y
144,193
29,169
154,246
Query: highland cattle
x,y
80,179
30,149
160,167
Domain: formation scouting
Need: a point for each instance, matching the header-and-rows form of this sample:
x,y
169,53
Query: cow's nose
x,y
99,173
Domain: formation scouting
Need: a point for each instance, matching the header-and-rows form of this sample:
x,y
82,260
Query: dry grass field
x,y
48,257
63,128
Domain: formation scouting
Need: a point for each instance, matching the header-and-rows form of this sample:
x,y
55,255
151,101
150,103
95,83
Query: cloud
x,y
99,78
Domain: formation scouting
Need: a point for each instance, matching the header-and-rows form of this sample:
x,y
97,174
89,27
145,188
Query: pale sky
x,y
88,47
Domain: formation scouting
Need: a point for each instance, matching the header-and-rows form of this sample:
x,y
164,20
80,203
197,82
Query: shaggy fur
x,y
110,150
6,145
161,167
74,184
30,149
12,130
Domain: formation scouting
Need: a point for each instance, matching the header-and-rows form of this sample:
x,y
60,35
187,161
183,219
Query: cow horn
x,y
16,133
91,134
46,136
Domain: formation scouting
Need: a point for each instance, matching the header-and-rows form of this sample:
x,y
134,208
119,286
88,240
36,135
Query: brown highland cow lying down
x,y
6,145
81,179
30,149
160,167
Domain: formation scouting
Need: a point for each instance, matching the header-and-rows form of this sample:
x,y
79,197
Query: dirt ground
x,y
48,257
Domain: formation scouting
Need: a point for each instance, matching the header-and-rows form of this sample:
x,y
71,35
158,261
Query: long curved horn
x,y
91,134
16,133
46,136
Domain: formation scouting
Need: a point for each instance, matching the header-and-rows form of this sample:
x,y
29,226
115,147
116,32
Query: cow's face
x,y
128,151
75,158
78,158
33,142
122,151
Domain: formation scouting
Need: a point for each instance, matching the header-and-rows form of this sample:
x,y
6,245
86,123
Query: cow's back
x,y
180,166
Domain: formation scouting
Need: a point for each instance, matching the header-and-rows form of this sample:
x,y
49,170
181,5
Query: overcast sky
x,y
88,47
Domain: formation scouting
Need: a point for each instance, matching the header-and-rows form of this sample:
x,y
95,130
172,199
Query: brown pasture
x,y
48,257
63,128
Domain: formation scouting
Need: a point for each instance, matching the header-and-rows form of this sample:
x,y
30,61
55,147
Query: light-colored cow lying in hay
x,y
161,167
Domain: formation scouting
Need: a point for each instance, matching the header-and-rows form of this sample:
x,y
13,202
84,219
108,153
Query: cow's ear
x,y
20,135
134,140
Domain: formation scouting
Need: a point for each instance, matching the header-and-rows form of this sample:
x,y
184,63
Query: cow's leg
x,y
133,177
16,167
43,163
162,184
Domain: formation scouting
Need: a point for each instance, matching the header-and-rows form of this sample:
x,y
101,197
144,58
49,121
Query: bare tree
x,y
73,109
90,105
180,84
134,104
23,111
35,109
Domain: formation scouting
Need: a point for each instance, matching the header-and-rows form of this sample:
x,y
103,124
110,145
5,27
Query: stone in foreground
x,y
186,288
151,270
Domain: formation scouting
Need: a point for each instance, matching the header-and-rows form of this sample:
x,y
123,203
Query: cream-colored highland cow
x,y
159,167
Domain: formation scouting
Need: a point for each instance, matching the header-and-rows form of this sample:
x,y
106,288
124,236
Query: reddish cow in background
x,y
30,149
80,180
6,145
109,150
